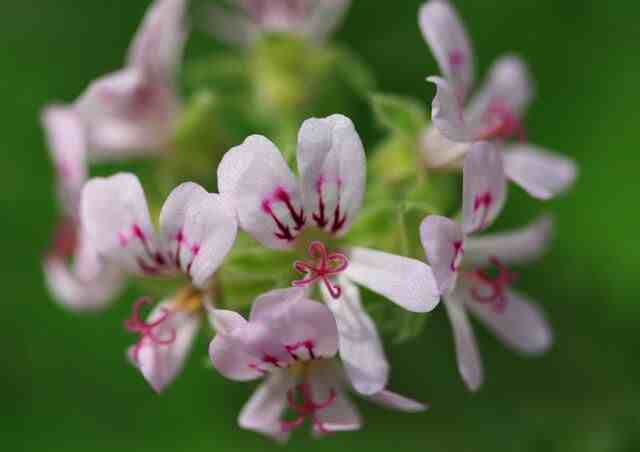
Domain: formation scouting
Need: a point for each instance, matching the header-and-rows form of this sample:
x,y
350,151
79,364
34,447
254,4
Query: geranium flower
x,y
197,230
243,21
494,113
311,215
459,261
291,341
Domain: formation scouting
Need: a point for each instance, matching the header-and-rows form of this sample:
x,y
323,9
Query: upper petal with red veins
x,y
510,247
264,192
484,187
407,282
116,219
161,363
443,242
332,167
66,137
445,34
198,230
541,173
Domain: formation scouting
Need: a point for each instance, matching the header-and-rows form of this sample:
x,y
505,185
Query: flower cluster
x,y
293,249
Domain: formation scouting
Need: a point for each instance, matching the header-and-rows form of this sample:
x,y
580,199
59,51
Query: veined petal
x,y
274,304
199,229
264,410
468,357
541,173
447,114
361,348
116,219
508,85
445,34
67,142
160,363
407,282
440,152
157,47
521,325
264,192
332,168
484,187
511,247
397,402
443,242
325,17
341,415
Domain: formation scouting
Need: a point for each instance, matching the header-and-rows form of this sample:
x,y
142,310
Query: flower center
x,y
135,324
305,407
321,268
491,290
502,122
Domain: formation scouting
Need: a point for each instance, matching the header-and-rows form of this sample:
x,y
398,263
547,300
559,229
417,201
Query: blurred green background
x,y
65,384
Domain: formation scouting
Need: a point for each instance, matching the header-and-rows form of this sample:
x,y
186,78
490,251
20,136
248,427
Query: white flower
x,y
457,259
291,342
281,212
494,113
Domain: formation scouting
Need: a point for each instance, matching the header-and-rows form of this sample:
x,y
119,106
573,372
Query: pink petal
x,y
407,282
511,247
468,357
116,219
447,114
397,402
445,34
199,228
264,192
361,349
332,168
443,242
541,173
484,187
440,152
521,326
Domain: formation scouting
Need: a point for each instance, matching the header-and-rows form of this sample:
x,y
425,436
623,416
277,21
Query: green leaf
x,y
399,114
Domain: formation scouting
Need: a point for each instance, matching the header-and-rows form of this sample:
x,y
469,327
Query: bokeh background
x,y
64,383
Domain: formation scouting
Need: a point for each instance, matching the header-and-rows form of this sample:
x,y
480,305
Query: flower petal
x,y
511,247
325,18
468,357
264,192
332,168
158,45
440,152
541,173
264,410
407,282
341,415
161,363
68,148
361,348
445,34
508,85
116,219
397,402
199,229
447,114
443,242
521,326
484,187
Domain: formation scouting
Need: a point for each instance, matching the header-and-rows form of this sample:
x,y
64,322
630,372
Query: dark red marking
x,y
484,201
308,344
458,250
502,123
284,230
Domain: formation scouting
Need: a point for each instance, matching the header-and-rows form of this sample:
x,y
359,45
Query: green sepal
x,y
401,115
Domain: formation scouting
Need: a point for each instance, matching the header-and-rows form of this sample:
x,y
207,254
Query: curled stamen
x,y
497,296
321,268
136,324
308,408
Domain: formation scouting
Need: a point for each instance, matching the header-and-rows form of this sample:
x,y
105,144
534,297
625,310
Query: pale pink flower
x,y
459,261
291,342
243,21
197,230
494,113
313,211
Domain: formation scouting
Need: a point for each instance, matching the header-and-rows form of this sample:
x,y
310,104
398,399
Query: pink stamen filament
x,y
321,268
502,123
307,409
136,324
497,296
